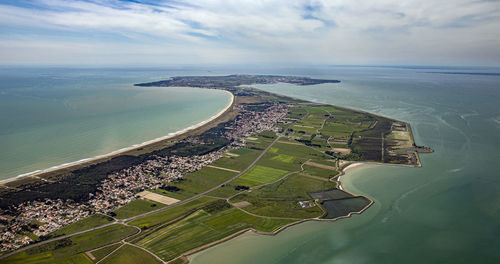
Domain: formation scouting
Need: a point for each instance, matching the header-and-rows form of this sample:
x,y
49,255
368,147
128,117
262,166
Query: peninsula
x,y
266,163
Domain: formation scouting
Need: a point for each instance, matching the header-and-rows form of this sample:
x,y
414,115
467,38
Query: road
x,y
192,198
123,221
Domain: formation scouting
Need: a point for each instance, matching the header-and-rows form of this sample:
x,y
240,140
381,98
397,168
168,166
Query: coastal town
x,y
36,220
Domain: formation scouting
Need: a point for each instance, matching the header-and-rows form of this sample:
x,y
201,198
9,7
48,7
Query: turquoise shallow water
x,y
448,211
49,117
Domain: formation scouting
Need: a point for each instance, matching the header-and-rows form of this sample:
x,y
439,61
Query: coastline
x,y
351,166
188,256
196,129
134,147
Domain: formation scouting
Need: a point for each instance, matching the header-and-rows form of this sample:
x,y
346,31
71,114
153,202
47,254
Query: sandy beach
x,y
348,167
122,150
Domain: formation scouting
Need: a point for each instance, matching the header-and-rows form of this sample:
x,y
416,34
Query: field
x,y
197,182
172,213
281,161
240,162
136,207
226,191
314,171
258,175
281,198
130,255
102,252
203,227
283,158
351,135
70,250
84,224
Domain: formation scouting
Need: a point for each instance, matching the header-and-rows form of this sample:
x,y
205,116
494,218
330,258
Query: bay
x,y
53,116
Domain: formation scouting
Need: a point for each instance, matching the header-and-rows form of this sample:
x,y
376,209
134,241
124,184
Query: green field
x,y
130,255
361,132
101,253
315,171
283,158
203,227
306,130
171,213
69,250
225,191
281,162
280,199
259,175
300,151
84,224
136,207
241,162
197,182
273,150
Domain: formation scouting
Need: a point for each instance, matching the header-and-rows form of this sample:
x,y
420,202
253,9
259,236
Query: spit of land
x,y
266,163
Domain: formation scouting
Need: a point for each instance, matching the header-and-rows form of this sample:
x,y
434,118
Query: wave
x,y
455,170
496,120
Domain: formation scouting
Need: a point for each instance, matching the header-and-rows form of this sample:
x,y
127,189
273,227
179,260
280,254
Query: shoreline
x,y
171,137
122,150
344,170
189,255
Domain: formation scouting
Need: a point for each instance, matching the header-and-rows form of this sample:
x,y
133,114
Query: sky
x,y
287,32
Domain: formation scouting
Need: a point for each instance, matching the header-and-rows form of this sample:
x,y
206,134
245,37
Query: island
x,y
266,163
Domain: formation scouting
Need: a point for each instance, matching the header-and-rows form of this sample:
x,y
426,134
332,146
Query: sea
x,y
50,117
447,211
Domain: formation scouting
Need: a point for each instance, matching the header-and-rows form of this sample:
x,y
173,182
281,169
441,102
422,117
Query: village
x,y
38,219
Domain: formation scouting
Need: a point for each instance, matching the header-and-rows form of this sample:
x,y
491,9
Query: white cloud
x,y
322,31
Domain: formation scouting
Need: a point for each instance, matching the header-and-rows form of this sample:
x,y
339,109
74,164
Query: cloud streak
x,y
211,31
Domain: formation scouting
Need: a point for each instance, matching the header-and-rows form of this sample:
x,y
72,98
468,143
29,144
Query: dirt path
x,y
319,165
313,177
220,168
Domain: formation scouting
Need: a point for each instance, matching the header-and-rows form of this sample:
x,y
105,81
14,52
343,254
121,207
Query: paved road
x,y
56,238
192,198
157,210
148,213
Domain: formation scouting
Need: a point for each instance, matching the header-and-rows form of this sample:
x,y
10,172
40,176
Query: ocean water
x,y
51,116
447,211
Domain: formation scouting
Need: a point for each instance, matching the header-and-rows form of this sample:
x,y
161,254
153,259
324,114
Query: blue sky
x,y
383,32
